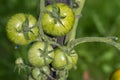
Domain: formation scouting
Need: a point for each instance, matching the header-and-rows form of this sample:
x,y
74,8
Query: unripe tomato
x,y
116,75
62,59
59,22
74,57
59,62
36,73
40,73
21,28
36,55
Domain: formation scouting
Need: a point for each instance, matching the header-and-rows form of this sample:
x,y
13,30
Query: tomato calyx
x,y
55,14
45,54
26,29
20,65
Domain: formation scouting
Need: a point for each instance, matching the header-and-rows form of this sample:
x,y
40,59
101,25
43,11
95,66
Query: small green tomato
x,y
62,60
37,55
40,73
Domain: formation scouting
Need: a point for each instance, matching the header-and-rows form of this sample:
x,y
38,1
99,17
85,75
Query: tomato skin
x,y
14,26
115,75
57,29
36,58
62,60
38,74
74,57
59,62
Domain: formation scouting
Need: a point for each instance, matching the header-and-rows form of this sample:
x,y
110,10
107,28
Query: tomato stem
x,y
77,11
108,40
41,32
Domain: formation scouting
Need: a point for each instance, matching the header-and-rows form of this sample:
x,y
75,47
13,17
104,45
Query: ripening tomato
x,y
116,75
37,55
62,59
21,28
59,20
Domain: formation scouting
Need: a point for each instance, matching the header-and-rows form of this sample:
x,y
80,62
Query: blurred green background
x,y
99,18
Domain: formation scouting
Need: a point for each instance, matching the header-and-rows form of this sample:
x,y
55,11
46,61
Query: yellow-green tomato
x,y
37,55
116,75
59,22
63,60
21,28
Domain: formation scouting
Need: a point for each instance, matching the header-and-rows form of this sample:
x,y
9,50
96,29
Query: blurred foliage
x,y
99,18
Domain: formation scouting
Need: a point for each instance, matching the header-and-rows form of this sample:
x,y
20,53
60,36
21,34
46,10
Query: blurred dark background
x,y
96,60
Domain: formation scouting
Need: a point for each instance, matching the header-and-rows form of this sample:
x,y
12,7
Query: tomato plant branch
x,y
77,11
42,8
58,45
108,40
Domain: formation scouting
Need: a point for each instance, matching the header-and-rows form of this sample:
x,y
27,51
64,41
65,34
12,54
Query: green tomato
x,y
59,62
37,56
36,74
40,73
59,22
62,60
46,72
74,57
21,29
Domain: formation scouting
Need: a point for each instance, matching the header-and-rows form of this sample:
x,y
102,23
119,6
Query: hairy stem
x,y
42,8
108,40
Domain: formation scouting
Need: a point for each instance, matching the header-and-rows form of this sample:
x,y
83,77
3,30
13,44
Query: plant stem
x,y
42,8
77,11
108,40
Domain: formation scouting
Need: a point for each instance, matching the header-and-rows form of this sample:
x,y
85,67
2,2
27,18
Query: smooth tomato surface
x,y
116,75
15,25
62,60
36,55
40,73
56,28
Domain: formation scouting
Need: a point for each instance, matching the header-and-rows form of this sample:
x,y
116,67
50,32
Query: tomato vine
x,y
64,57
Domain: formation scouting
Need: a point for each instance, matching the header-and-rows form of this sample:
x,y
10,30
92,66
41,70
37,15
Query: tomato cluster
x,y
41,54
21,28
56,20
59,59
